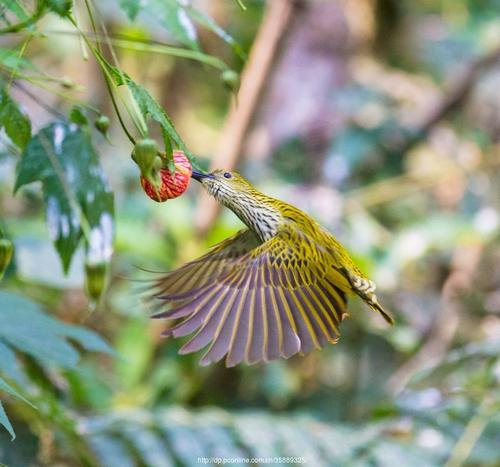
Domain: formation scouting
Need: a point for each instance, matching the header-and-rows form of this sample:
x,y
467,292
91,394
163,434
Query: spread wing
x,y
253,301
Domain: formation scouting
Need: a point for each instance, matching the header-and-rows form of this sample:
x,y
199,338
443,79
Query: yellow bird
x,y
273,290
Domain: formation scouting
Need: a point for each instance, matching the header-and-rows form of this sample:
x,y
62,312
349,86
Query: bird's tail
x,y
365,288
375,305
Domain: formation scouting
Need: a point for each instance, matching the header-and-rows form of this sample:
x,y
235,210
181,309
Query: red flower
x,y
172,184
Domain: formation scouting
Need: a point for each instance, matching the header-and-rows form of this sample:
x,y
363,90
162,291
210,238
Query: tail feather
x,y
365,288
375,305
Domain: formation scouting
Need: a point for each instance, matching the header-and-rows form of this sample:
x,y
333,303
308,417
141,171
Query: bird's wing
x,y
198,273
256,304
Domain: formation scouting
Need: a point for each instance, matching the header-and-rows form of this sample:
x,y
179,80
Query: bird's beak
x,y
199,176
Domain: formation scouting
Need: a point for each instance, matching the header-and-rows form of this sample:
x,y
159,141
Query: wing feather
x,y
275,324
310,317
197,316
256,340
241,328
324,318
305,332
206,331
253,301
291,340
215,263
222,336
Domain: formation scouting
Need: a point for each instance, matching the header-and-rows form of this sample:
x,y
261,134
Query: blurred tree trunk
x,y
312,64
311,42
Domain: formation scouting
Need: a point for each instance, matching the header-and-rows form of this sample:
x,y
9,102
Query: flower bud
x,y
102,124
144,155
231,80
95,279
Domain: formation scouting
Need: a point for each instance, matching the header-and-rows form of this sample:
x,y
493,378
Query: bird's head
x,y
225,186
255,209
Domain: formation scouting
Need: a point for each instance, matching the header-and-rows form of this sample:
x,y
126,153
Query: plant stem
x,y
39,11
241,5
107,79
130,43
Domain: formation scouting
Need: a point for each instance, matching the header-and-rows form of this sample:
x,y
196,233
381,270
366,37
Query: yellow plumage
x,y
273,290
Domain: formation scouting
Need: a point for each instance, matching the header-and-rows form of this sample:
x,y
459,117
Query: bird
x,y
277,288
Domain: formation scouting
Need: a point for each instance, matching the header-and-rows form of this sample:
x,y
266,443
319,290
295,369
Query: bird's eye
x,y
227,175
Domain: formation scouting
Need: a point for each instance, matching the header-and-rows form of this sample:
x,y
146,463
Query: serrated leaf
x,y
169,151
17,125
62,157
149,107
5,422
115,74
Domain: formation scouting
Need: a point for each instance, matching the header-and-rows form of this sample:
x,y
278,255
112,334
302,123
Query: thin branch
x,y
254,76
123,41
37,14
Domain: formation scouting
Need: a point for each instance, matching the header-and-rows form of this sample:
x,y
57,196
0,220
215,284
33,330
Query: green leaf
x,y
26,328
89,340
114,73
131,8
76,192
77,116
209,23
149,107
173,16
167,145
5,422
12,59
178,436
111,451
16,124
17,8
148,444
9,364
61,7
5,387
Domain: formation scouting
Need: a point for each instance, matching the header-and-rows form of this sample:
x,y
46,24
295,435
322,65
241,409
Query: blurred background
x,y
381,119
